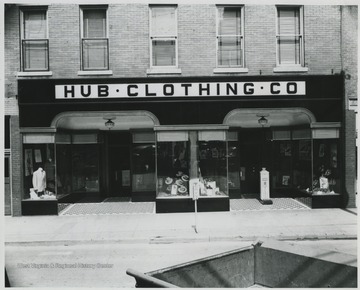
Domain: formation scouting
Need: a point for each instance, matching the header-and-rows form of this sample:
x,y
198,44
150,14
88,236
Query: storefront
x,y
150,139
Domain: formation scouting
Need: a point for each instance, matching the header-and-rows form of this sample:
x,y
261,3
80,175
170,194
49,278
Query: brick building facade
x,y
325,48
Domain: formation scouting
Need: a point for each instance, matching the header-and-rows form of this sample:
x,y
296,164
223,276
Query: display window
x,y
213,168
326,173
193,155
39,167
173,168
143,167
77,167
85,168
292,165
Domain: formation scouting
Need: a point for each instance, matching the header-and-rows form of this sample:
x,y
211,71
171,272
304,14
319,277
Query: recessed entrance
x,y
119,164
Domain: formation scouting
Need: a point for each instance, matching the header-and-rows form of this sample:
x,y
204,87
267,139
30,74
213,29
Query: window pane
x,y
289,21
213,168
163,22
229,51
39,171
289,50
173,169
229,21
95,54
85,168
143,177
35,54
326,166
164,53
35,24
94,23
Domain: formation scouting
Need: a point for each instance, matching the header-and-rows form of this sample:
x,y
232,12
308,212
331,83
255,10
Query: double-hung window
x,y
34,40
163,36
230,37
289,36
94,39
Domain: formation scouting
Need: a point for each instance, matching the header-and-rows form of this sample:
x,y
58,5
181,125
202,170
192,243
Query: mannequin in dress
x,y
39,180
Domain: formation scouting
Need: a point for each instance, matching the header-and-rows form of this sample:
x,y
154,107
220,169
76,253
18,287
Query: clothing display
x,y
39,180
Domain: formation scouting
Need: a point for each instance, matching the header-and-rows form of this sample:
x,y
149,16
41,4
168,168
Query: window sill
x,y
290,69
223,70
34,73
95,73
153,71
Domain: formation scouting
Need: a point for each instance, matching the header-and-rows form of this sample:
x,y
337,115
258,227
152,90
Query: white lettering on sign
x,y
89,91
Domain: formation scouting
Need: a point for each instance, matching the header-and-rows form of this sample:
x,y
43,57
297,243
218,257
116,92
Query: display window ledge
x,y
290,69
173,197
224,70
325,194
40,199
34,73
214,196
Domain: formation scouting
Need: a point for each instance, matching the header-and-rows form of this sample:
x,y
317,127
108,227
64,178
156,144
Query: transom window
x,y
230,36
34,40
163,36
289,37
94,42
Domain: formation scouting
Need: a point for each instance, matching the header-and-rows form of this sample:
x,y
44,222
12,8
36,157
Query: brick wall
x,y
12,56
350,50
322,39
350,160
129,40
16,165
349,59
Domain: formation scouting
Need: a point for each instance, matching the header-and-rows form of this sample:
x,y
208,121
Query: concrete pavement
x,y
179,227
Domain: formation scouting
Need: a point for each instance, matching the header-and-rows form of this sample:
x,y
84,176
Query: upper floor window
x,y
163,36
230,37
289,36
94,39
34,40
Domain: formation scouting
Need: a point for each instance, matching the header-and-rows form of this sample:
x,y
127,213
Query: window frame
x,y
242,37
301,64
82,38
153,38
23,10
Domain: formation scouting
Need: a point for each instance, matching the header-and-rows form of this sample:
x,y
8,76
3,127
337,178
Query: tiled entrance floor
x,y
278,204
113,206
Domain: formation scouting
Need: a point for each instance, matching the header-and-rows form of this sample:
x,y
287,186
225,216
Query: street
x,y
104,264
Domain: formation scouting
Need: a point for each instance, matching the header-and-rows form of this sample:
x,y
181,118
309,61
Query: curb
x,y
172,240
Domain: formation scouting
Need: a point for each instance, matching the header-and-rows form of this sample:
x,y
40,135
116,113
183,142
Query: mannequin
x,y
39,181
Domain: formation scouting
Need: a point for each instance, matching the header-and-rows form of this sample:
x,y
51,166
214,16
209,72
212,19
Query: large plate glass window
x,y
212,164
289,36
34,40
173,164
94,42
39,167
326,165
143,162
163,36
291,161
230,37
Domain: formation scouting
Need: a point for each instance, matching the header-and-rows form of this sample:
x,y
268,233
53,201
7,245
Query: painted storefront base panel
x,y
269,264
39,207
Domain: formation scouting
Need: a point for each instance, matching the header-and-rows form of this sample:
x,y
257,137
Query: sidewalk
x,y
179,227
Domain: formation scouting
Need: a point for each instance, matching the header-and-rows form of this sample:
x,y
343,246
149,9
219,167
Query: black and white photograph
x,y
178,143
